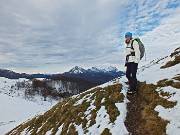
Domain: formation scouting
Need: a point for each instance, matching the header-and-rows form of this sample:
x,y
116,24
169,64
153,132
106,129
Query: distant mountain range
x,y
94,74
80,70
13,75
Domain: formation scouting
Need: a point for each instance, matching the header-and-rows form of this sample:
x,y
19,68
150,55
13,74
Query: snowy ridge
x,y
102,117
105,69
79,70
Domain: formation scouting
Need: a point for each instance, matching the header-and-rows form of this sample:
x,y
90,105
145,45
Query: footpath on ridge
x,y
141,117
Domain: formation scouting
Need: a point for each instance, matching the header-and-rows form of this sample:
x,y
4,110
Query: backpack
x,y
141,47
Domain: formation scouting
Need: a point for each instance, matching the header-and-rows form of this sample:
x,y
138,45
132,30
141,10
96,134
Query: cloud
x,y
162,40
53,36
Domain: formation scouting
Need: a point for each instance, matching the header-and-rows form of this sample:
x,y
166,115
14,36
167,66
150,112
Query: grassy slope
x,y
69,112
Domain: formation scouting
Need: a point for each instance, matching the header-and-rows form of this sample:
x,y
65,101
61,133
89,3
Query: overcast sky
x,y
38,36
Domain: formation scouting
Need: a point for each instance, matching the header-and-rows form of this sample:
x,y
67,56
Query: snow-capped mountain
x,y
77,70
95,74
95,69
80,70
111,69
105,70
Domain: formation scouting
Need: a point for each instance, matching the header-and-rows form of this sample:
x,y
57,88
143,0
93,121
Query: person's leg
x,y
134,67
128,73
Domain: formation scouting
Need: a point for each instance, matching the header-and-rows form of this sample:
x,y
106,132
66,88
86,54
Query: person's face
x,y
128,38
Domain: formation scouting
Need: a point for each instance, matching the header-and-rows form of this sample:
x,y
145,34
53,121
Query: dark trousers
x,y
131,75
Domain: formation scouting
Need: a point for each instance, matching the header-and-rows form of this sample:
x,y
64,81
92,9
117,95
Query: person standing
x,y
132,60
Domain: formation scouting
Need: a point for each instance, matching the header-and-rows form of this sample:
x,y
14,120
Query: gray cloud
x,y
43,33
53,36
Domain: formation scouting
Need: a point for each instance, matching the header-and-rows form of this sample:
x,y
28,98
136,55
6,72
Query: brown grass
x,y
172,63
176,51
176,61
165,94
68,113
152,124
106,132
170,82
177,77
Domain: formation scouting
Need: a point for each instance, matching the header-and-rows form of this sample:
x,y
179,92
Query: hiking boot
x,y
131,92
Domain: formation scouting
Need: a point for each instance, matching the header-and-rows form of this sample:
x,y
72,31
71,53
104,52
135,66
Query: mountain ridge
x,y
75,70
78,70
94,74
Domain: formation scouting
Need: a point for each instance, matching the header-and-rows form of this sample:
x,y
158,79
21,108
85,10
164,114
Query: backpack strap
x,y
132,53
132,44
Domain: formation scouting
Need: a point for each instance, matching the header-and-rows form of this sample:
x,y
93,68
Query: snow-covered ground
x,y
14,109
172,114
153,73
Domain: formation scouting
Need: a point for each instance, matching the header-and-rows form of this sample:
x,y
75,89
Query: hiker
x,y
132,60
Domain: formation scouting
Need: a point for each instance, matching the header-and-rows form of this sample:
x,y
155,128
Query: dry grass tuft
x,y
165,94
176,55
176,52
106,132
177,77
174,82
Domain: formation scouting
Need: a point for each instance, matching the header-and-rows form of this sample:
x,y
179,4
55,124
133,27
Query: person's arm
x,y
137,51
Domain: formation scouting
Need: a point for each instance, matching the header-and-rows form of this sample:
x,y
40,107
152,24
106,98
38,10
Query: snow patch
x,y
171,114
